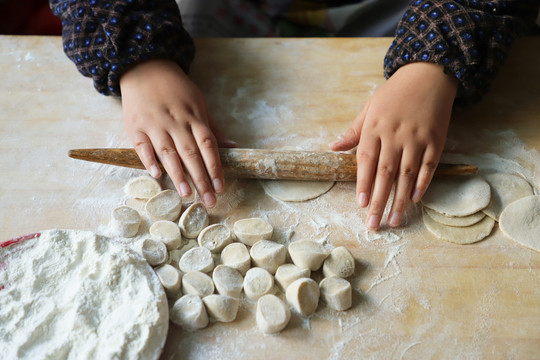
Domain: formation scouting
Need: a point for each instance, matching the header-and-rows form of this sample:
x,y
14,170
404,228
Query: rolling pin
x,y
266,164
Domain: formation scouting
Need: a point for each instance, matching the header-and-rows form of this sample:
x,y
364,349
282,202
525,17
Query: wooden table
x,y
416,296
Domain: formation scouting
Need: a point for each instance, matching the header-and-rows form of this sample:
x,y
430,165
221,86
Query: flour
x,y
70,295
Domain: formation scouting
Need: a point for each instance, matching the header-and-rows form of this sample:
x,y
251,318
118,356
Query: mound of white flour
x,y
75,295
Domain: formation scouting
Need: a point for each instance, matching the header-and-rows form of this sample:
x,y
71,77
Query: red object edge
x,y
19,239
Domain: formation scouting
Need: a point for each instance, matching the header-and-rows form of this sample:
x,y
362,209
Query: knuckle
x,y
430,166
385,171
167,151
208,141
407,173
365,156
190,154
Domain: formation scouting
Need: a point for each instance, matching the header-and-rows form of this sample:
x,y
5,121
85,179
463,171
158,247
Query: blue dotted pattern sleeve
x,y
469,38
105,38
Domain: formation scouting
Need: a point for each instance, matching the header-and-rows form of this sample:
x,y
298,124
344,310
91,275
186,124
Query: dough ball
x,y
167,232
258,282
251,230
505,189
142,187
457,195
268,255
293,190
307,254
125,221
460,235
189,313
221,308
236,255
197,283
272,314
303,295
228,281
197,259
458,221
193,220
171,280
155,252
215,237
166,205
520,221
339,263
336,292
287,273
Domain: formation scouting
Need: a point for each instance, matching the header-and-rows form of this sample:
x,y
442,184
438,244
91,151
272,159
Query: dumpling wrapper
x,y
295,191
460,235
459,221
505,189
457,195
520,221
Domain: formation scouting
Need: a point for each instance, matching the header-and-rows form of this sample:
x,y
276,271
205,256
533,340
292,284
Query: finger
x,y
168,155
384,178
430,160
405,182
221,139
143,146
367,157
207,144
351,138
193,162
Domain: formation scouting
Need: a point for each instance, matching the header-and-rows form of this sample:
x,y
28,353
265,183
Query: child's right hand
x,y
165,114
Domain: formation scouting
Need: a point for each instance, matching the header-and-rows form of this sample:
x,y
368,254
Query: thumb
x,y
351,138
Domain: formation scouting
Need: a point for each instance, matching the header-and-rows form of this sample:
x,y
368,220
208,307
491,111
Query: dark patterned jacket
x,y
470,38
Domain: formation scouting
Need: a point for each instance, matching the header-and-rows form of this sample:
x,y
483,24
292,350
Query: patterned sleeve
x,y
104,37
470,38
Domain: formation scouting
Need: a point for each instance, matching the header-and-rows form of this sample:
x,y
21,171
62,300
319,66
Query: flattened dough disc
x,y
459,221
505,189
292,190
460,235
457,195
520,221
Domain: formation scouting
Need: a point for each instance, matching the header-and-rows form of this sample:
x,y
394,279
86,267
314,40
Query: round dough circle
x,y
456,221
457,195
272,314
460,235
520,221
294,191
505,189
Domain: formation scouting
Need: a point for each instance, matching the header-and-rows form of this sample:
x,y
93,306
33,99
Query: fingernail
x,y
218,185
209,199
185,189
373,222
363,199
395,219
154,171
417,196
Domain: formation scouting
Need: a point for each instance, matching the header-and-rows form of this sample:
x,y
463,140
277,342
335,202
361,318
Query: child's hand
x,y
400,134
166,115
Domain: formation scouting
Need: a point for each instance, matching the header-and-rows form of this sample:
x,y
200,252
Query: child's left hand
x,y
400,134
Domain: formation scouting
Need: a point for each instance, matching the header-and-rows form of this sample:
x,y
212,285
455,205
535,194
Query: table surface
x,y
415,296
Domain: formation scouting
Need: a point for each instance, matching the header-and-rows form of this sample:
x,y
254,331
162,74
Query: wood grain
x,y
266,164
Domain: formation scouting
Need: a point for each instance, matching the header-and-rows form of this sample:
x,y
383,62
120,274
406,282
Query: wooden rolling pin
x,y
266,164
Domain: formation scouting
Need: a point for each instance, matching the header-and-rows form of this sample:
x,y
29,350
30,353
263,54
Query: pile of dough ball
x,y
206,269
464,209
